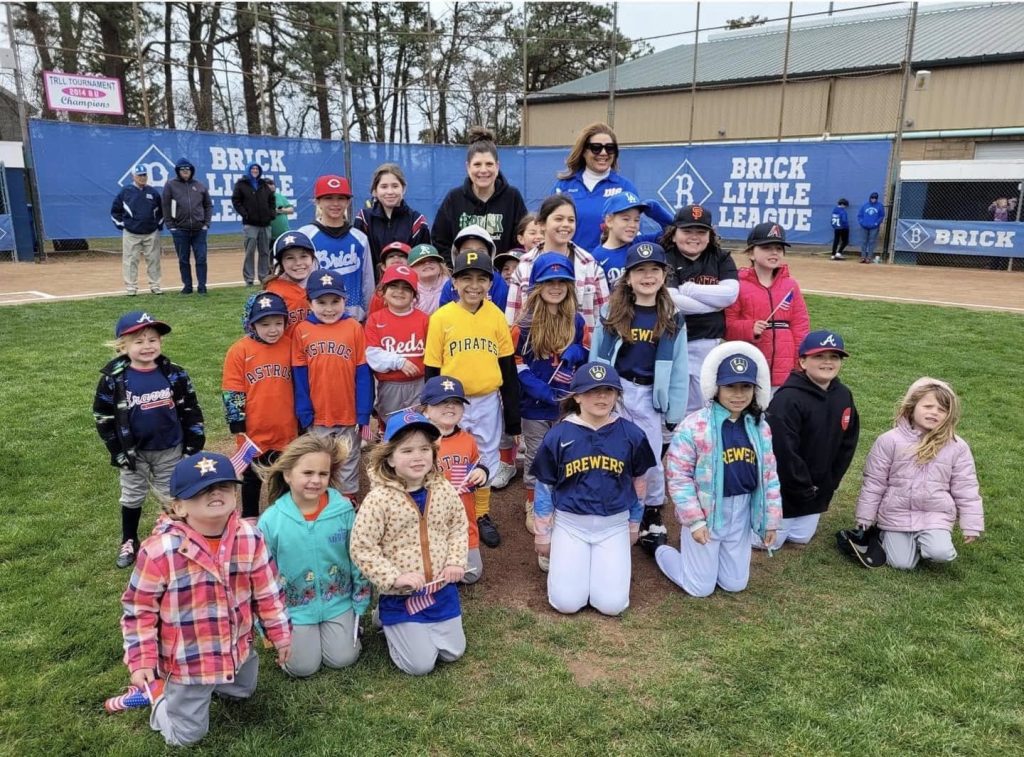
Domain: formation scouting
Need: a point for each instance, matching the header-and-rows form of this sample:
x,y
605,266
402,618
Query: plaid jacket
x,y
591,286
188,614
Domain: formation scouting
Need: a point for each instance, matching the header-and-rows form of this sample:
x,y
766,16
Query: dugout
x,y
946,214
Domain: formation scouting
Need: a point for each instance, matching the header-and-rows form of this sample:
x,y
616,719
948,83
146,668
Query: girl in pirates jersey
x,y
586,512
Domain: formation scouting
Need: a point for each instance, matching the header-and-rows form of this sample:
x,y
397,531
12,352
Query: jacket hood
x,y
257,166
709,371
184,163
925,381
798,380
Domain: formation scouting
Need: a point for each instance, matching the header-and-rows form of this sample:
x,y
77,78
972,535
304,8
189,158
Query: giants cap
x,y
331,185
692,216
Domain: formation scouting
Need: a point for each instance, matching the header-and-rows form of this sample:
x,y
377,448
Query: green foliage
x,y
816,657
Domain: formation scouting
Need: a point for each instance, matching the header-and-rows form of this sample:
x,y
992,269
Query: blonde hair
x,y
550,333
120,344
307,444
932,441
377,460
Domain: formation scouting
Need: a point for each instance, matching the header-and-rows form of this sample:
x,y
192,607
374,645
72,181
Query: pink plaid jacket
x,y
591,286
188,614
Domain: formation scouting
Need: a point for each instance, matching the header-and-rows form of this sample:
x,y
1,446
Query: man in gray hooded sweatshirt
x,y
253,200
187,213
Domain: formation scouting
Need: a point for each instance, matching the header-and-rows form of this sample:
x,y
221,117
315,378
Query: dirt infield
x,y
984,290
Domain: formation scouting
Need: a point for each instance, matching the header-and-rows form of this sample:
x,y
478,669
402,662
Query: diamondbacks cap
x,y
767,233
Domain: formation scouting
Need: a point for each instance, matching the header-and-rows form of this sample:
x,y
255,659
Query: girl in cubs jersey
x,y
586,512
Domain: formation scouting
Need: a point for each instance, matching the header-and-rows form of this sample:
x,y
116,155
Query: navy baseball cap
x,y
645,252
737,369
552,266
140,169
266,304
325,282
822,341
406,419
200,471
767,233
292,239
621,202
692,216
441,388
592,375
137,320
473,261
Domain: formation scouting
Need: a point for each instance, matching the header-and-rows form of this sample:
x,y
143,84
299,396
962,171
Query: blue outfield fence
x,y
81,167
987,238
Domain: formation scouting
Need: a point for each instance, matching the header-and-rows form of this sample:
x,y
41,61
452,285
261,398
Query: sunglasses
x,y
599,147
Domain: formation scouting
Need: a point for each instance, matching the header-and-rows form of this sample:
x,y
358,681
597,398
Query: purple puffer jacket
x,y
899,494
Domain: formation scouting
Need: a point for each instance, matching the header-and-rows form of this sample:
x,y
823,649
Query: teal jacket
x,y
671,366
320,580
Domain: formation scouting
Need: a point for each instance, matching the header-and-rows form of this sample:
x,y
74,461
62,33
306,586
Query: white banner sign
x,y
83,94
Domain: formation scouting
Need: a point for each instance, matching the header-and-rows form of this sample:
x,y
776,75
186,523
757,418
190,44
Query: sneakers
x,y
653,533
838,256
488,531
186,290
864,260
878,259
133,697
503,477
543,563
157,291
529,517
126,554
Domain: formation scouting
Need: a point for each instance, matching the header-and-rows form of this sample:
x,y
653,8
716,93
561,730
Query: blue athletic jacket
x,y
137,211
590,203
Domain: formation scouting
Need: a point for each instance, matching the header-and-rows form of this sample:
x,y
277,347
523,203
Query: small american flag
x,y
787,301
424,598
244,455
562,375
458,474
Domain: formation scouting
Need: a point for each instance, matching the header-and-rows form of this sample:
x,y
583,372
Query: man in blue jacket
x,y
137,212
188,212
870,217
840,228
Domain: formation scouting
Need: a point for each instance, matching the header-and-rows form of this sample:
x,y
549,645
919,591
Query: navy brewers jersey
x,y
591,471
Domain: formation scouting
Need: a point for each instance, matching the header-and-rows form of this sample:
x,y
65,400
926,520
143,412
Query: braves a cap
x,y
592,375
737,369
822,341
331,185
140,169
503,257
409,419
137,320
400,273
395,248
767,233
423,252
292,239
441,388
266,304
621,202
475,231
473,261
692,216
645,252
863,545
552,266
325,282
200,471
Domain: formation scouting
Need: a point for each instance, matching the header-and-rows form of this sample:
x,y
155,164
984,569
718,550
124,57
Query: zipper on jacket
x,y
428,570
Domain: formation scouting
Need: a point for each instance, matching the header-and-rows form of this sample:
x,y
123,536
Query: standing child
x,y
294,261
840,228
549,348
643,337
187,621
586,510
508,448
444,402
432,274
476,239
308,528
470,341
621,229
396,253
529,232
815,429
410,541
395,339
919,479
721,476
259,399
333,383
147,415
770,311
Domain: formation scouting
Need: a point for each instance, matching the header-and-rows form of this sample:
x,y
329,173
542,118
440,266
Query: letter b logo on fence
x,y
684,187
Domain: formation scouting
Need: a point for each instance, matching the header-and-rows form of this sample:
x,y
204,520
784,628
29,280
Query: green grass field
x,y
816,657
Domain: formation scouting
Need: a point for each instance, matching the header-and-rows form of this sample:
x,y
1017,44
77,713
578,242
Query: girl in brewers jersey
x,y
294,261
586,510
703,282
721,475
549,348
642,335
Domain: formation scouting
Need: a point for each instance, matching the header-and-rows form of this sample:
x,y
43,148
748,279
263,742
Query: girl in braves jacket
x,y
770,312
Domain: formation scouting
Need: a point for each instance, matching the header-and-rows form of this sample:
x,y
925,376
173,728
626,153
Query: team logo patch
x,y
290,239
448,385
206,465
696,211
645,250
326,279
598,372
145,318
845,420
738,365
410,417
632,197
403,269
829,341
333,183
264,303
775,232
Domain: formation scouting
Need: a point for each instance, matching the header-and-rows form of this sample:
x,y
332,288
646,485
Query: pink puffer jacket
x,y
899,494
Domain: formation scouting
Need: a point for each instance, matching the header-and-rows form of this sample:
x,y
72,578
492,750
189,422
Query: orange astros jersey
x,y
294,296
263,372
457,451
331,352
467,345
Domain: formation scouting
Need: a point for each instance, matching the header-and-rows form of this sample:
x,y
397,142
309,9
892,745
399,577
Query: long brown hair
x,y
387,168
668,241
575,161
932,441
377,461
622,309
308,444
480,139
550,333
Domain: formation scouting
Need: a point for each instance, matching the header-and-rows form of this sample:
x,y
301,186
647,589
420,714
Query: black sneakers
x,y
653,533
488,531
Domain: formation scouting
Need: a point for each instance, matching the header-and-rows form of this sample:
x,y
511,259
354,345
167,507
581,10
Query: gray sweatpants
x,y
533,435
415,647
152,470
182,714
696,351
903,549
332,643
393,396
147,247
257,244
350,468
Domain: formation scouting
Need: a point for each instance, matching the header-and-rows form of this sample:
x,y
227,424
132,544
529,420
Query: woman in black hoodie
x,y
485,198
390,219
